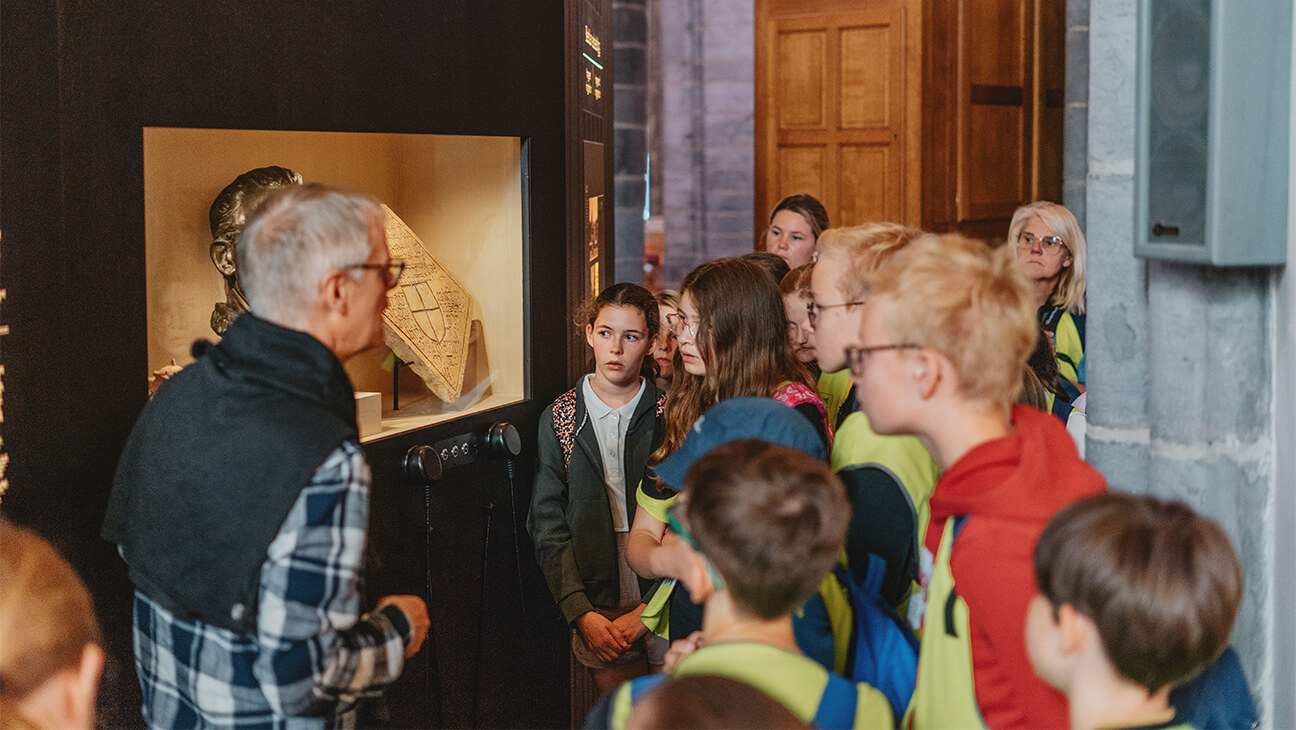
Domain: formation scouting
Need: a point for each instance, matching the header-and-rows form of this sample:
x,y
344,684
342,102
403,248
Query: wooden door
x,y
837,100
992,140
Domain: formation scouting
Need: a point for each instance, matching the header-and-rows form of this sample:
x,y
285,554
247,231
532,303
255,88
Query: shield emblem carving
x,y
428,314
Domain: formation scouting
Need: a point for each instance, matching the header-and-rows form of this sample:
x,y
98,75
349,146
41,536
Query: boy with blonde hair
x,y
947,324
888,478
1136,595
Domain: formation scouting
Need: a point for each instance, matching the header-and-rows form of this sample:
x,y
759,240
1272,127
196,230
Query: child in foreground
x,y
946,328
1136,595
767,523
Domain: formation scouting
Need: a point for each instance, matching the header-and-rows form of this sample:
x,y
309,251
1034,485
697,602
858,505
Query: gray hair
x,y
296,237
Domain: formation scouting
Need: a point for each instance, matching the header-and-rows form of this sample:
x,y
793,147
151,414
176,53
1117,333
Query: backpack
x,y
883,649
836,707
564,423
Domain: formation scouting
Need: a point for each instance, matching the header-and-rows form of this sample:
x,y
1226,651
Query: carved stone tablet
x,y
428,314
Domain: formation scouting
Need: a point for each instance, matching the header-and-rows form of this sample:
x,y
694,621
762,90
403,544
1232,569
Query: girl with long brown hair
x,y
732,332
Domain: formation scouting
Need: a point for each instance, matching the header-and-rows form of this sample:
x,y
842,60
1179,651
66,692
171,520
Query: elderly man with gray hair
x,y
241,502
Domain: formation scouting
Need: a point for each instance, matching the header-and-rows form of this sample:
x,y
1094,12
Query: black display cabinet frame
x,y
80,79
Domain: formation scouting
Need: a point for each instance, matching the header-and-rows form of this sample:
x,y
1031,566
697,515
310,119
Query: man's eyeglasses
x,y
814,308
855,356
677,324
392,270
1048,244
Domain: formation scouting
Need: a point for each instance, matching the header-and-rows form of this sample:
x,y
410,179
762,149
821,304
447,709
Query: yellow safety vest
x,y
792,680
834,388
945,695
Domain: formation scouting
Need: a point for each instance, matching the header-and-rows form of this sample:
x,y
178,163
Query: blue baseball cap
x,y
740,418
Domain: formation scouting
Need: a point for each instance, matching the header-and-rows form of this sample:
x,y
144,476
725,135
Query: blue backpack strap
x,y
1062,408
837,705
640,686
959,523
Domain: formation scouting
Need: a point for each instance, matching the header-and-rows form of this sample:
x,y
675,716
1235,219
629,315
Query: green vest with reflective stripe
x,y
945,696
904,457
791,679
834,388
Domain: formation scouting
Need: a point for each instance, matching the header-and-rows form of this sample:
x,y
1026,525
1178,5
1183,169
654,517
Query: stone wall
x,y
1181,367
630,132
707,130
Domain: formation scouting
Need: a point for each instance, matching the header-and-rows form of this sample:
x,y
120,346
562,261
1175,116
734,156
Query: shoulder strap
x,y
564,424
640,686
838,704
796,393
959,523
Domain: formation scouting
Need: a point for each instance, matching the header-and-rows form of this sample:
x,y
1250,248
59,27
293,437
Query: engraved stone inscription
x,y
428,314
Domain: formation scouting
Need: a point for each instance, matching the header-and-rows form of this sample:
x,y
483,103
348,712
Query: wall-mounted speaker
x,y
1214,115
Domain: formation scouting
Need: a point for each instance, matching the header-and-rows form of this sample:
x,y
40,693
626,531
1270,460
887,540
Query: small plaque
x,y
368,413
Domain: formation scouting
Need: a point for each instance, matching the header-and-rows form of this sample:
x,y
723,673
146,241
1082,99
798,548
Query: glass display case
x,y
455,323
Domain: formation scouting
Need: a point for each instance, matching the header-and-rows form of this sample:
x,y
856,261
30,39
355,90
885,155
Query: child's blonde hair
x,y
1069,293
46,618
965,300
863,249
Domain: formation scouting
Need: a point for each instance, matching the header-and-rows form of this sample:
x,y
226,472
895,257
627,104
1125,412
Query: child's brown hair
x,y
1161,584
742,336
771,518
623,294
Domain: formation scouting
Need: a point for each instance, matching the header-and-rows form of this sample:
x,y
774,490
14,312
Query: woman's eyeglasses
x,y
1048,244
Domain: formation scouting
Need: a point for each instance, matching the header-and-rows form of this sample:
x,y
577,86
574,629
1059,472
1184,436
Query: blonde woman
x,y
1051,247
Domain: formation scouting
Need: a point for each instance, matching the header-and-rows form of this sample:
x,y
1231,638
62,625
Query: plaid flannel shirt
x,y
312,656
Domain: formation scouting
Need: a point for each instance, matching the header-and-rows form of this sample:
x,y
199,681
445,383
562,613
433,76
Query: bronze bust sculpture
x,y
229,212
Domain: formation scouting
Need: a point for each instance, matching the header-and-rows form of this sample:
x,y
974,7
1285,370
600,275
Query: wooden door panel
x,y
994,41
832,117
994,171
867,56
802,70
869,180
801,170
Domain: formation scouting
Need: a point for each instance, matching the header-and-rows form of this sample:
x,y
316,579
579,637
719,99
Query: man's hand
x,y
631,624
602,636
416,610
681,648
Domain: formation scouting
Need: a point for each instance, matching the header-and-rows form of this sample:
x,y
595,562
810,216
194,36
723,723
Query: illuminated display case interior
x,y
460,196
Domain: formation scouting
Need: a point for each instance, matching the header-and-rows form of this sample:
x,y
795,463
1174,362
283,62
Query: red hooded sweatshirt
x,y
1009,488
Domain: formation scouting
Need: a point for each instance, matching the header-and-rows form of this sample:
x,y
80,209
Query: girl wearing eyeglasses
x,y
732,333
1051,246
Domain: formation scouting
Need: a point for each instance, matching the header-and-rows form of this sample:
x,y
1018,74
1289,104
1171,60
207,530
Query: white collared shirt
x,y
610,428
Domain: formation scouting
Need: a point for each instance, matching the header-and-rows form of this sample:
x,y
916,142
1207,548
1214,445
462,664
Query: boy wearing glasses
x,y
766,522
947,326
888,478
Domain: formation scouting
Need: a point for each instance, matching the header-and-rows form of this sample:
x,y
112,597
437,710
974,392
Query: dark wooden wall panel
x,y
79,80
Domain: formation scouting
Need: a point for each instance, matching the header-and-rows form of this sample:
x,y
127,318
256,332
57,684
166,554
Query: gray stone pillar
x,y
1075,124
708,133
630,131
1180,358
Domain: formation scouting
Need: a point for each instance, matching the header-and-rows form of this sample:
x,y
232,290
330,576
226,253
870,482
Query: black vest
x,y
216,461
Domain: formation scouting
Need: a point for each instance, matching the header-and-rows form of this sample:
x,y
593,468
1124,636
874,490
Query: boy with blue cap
x,y
767,520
